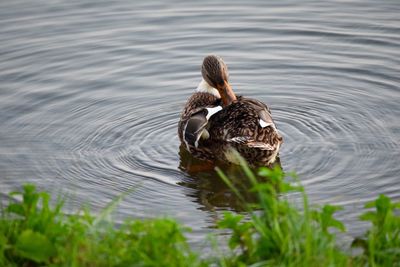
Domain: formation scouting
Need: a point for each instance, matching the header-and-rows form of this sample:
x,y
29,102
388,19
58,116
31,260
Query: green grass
x,y
276,233
33,236
271,232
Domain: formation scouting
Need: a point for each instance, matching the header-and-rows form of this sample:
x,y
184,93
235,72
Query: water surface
x,y
91,92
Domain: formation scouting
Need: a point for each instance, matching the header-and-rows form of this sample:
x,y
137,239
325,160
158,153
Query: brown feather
x,y
237,126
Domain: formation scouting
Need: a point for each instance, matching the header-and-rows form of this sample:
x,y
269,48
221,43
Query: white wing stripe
x,y
264,124
212,111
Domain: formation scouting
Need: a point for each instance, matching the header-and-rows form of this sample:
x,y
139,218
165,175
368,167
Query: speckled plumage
x,y
236,126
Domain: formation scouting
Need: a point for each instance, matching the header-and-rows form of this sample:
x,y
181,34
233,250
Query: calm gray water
x,y
91,92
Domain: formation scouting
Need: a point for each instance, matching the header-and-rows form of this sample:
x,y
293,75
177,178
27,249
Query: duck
x,y
215,124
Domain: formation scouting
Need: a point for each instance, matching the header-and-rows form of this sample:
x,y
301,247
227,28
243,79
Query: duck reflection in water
x,y
208,189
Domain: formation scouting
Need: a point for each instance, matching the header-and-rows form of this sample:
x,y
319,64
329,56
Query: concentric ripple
x,y
91,92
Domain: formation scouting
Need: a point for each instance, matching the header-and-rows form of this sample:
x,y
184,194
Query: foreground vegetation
x,y
274,232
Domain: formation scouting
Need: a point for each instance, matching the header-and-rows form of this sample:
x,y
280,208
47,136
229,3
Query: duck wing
x,y
246,126
195,126
263,112
195,104
247,118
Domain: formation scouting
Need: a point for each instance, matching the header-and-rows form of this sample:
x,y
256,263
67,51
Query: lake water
x,y
91,93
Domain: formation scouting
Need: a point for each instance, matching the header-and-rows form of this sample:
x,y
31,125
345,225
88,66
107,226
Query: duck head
x,y
215,73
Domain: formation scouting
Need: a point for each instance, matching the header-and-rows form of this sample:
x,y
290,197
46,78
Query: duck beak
x,y
227,94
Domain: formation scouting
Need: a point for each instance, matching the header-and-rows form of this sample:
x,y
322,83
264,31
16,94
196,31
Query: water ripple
x,y
91,93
